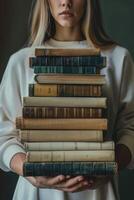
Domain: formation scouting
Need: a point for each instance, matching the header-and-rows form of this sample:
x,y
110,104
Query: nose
x,y
66,3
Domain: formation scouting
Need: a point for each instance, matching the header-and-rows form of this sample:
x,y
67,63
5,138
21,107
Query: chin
x,y
67,24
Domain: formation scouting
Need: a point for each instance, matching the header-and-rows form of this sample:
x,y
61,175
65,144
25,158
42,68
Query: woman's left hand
x,y
97,182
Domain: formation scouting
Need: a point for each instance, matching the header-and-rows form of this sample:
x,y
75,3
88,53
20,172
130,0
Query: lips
x,y
66,13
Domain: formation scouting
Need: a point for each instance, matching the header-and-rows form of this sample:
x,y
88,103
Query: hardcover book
x,y
70,168
63,112
60,135
61,124
70,79
66,52
100,102
68,146
60,156
68,61
64,90
88,70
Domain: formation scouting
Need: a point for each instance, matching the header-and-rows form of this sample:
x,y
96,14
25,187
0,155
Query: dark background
x,y
119,22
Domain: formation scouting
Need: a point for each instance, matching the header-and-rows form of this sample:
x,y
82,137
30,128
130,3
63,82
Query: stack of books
x,y
65,115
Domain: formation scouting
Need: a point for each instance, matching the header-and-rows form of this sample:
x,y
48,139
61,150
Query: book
x,y
100,102
70,79
60,156
88,70
64,90
70,168
68,61
66,52
63,112
61,124
66,146
60,135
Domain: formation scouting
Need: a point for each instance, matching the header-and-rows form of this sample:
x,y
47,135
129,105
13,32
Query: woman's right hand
x,y
67,184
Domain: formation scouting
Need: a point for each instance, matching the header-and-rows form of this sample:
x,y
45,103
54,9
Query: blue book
x,y
68,61
66,70
70,168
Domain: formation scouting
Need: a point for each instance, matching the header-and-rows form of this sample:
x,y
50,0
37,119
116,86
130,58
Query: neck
x,y
68,33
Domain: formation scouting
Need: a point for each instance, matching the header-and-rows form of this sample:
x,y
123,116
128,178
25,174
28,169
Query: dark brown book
x,y
63,112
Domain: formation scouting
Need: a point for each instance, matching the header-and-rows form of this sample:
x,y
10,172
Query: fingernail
x,y
80,178
85,183
91,181
61,178
68,176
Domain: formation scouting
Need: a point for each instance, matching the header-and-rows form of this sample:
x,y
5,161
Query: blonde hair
x,y
43,25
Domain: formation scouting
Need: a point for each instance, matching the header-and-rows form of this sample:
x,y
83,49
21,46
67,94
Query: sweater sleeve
x,y
10,108
125,117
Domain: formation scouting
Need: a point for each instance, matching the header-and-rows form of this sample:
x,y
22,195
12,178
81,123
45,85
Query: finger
x,y
73,181
68,177
55,180
48,181
32,180
78,187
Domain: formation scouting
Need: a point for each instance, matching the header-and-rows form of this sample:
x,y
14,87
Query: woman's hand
x,y
123,156
96,182
60,182
67,184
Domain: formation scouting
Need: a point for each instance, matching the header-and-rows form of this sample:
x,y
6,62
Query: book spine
x,y
53,90
61,124
68,146
67,52
60,136
61,156
68,61
63,112
66,70
70,79
99,102
70,168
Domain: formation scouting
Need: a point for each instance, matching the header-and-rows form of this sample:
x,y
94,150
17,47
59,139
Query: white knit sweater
x,y
119,89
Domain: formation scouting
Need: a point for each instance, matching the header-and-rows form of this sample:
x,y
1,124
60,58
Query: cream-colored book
x,y
60,156
99,102
66,146
60,135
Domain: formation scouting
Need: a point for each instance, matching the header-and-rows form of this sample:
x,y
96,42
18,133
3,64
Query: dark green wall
x,y
119,22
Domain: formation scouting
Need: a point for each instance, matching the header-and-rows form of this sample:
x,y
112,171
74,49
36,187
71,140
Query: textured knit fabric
x,y
119,89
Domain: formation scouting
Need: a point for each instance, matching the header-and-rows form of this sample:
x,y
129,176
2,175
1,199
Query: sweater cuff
x,y
10,152
128,140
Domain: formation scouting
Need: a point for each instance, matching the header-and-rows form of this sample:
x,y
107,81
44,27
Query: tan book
x,y
71,79
64,90
60,156
66,52
61,124
68,146
60,135
100,102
